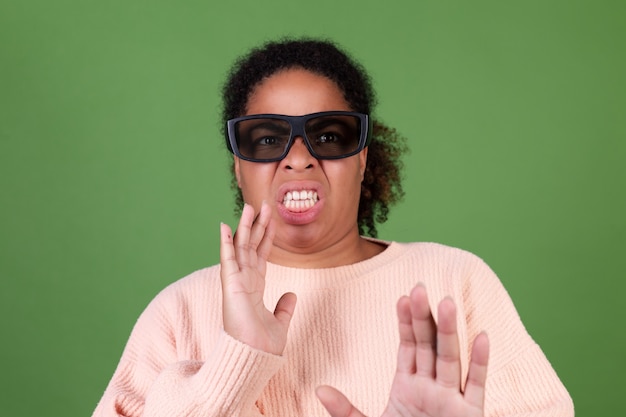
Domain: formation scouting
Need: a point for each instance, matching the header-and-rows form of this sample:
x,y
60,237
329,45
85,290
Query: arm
x,y
521,380
152,380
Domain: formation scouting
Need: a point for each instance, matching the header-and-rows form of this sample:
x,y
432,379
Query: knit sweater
x,y
180,362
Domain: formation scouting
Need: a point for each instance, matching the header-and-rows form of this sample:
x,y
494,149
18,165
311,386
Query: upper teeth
x,y
300,199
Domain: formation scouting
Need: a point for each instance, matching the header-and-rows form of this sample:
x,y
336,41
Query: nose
x,y
299,158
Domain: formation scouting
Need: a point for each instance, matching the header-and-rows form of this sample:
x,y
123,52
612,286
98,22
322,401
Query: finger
x,y
448,357
228,261
336,403
424,329
406,351
265,246
242,236
477,375
260,224
285,308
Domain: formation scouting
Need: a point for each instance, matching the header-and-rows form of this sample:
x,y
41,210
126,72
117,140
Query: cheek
x,y
346,177
254,178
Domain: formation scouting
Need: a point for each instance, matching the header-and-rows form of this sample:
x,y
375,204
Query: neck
x,y
351,249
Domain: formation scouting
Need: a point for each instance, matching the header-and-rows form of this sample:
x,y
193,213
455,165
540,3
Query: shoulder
x,y
448,268
202,285
190,302
438,255
204,277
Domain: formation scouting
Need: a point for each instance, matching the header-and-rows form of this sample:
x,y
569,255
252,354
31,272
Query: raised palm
x,y
243,263
428,374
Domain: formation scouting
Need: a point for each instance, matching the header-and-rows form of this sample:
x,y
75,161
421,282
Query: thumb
x,y
336,403
284,308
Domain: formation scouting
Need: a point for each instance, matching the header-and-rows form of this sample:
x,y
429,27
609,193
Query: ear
x,y
237,170
363,162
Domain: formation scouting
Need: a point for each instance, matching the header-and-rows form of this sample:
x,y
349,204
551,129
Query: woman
x,y
316,173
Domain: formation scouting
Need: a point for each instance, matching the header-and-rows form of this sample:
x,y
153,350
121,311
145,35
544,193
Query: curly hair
x,y
381,186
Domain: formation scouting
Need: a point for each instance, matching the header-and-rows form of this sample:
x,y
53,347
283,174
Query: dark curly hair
x,y
381,186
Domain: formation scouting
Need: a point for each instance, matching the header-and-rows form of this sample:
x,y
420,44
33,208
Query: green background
x,y
114,177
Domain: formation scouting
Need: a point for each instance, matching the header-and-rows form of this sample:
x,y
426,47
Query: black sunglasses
x,y
327,135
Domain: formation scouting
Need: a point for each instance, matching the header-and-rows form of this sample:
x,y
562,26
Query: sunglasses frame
x,y
297,124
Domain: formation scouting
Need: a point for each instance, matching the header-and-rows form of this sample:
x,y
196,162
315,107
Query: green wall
x,y
114,178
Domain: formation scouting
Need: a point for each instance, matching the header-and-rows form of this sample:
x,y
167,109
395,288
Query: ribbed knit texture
x,y
179,361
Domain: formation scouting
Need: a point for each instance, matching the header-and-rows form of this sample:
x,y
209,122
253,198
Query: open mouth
x,y
299,201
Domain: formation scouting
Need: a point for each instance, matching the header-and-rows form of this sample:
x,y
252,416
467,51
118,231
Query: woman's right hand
x,y
243,261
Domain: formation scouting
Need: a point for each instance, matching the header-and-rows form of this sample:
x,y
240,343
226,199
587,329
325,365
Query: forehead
x,y
296,92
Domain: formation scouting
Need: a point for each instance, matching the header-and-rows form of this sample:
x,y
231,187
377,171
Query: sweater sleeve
x,y
520,380
152,379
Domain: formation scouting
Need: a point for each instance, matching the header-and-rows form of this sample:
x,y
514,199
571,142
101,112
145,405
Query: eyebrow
x,y
327,121
270,124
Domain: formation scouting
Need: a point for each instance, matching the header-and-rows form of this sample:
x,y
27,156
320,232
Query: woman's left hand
x,y
428,374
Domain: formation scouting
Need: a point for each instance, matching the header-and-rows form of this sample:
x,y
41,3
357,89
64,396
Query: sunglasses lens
x,y
262,138
334,136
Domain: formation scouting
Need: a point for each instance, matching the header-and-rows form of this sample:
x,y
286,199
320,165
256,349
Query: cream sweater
x,y
180,362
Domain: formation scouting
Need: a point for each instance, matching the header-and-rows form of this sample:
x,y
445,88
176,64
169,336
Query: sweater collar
x,y
331,277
